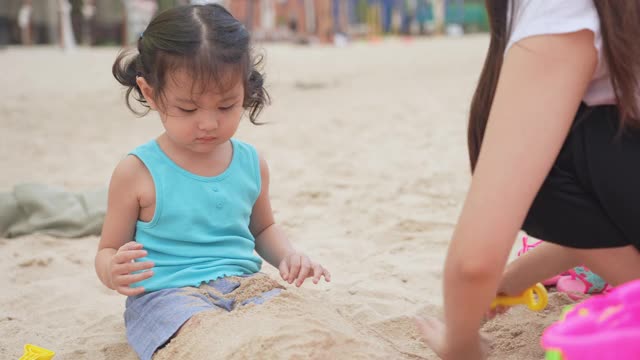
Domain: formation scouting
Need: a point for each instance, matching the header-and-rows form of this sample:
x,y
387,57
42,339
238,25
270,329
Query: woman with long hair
x,y
554,146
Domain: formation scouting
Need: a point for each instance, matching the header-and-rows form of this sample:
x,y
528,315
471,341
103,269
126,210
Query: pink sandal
x,y
580,282
526,246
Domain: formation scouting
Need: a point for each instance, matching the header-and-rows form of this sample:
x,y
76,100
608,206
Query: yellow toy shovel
x,y
32,352
535,297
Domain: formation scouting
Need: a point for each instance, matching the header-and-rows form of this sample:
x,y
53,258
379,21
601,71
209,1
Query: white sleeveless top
x,y
546,17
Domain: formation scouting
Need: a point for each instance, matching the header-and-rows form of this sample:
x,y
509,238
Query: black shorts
x,y
591,197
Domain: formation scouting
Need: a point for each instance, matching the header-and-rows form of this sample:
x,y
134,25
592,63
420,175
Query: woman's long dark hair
x,y
620,27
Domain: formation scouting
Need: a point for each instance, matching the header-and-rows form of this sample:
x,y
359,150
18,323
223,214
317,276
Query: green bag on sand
x,y
37,208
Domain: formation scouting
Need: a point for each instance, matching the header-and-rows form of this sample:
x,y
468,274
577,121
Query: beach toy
x,y
603,327
32,352
526,246
581,281
535,298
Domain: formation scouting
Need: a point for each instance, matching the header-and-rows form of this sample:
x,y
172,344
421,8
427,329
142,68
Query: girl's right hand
x,y
122,266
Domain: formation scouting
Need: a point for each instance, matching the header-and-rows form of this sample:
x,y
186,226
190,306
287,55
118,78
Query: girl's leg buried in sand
x,y
193,323
154,319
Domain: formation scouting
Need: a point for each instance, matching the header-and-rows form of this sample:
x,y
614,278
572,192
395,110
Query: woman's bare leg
x,y
614,265
541,263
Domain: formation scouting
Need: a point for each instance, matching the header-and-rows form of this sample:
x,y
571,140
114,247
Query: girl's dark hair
x,y
204,40
621,49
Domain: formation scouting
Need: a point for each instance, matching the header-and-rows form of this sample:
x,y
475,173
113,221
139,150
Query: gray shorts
x,y
151,319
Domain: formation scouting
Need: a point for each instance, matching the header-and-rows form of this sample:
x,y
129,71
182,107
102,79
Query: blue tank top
x,y
200,227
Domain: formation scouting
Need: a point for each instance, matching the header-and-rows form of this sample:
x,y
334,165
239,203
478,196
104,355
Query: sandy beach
x,y
367,150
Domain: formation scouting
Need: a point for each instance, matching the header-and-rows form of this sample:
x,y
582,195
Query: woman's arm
x,y
541,85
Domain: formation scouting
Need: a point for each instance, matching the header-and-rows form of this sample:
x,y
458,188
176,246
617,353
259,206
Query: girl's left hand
x,y
298,267
433,332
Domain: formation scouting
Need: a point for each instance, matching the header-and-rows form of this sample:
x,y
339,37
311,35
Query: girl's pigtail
x,y
125,69
256,97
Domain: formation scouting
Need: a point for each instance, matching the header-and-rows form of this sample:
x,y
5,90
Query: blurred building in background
x,y
120,22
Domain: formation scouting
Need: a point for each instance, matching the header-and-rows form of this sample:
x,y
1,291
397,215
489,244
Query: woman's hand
x,y
434,334
493,312
297,267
